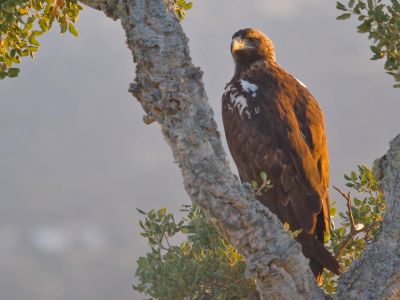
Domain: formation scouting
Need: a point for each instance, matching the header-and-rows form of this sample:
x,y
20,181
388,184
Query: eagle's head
x,y
250,45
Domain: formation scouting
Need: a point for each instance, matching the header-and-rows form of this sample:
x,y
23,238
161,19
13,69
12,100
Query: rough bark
x,y
376,275
170,89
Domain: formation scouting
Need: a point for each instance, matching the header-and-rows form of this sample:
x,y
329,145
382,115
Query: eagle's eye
x,y
253,41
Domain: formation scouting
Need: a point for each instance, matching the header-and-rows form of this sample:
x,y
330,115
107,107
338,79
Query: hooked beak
x,y
238,44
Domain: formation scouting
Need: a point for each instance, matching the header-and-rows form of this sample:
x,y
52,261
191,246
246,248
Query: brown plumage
x,y
274,124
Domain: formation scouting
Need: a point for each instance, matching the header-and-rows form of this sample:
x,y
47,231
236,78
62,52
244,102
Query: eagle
x,y
273,124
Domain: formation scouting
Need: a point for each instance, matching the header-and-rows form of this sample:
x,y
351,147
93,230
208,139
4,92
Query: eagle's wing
x,y
303,199
300,127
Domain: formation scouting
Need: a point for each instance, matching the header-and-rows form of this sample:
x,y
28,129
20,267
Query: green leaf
x,y
141,211
28,26
31,19
43,25
364,27
141,224
185,230
47,9
286,226
342,231
63,27
32,39
188,6
332,212
13,72
263,176
375,49
32,48
180,14
340,6
344,16
254,184
296,233
72,29
161,212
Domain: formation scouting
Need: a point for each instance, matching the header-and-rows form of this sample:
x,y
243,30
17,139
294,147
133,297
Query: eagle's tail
x,y
319,256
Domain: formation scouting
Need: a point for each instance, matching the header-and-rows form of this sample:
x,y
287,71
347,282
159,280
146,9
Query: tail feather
x,y
317,269
319,256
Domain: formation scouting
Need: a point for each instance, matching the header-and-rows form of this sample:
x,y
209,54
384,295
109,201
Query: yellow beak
x,y
238,44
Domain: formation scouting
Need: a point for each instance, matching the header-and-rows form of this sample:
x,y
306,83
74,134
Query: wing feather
x,y
300,136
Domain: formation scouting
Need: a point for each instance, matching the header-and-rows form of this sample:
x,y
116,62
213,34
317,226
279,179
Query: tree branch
x,y
349,200
171,92
353,231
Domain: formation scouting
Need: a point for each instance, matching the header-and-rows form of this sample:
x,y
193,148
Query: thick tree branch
x,y
376,275
171,91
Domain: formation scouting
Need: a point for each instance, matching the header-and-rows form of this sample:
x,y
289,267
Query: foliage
x,y
265,184
21,22
181,6
382,23
359,225
206,266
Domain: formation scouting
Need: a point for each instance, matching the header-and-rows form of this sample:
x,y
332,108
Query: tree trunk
x,y
171,91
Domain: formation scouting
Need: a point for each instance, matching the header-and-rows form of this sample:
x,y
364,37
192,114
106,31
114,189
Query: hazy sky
x,y
76,159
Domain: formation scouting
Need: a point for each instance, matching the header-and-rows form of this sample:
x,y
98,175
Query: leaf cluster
x,y
21,22
359,225
205,266
181,6
382,23
264,185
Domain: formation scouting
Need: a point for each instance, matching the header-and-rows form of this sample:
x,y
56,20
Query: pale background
x,y
76,159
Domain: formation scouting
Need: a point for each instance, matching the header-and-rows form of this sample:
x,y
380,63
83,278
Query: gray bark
x,y
171,91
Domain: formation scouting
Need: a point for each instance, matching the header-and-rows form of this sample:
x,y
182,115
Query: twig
x,y
265,185
166,239
349,200
344,244
368,229
353,231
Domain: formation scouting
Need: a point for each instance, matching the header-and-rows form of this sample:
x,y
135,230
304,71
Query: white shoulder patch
x,y
238,99
300,82
249,87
